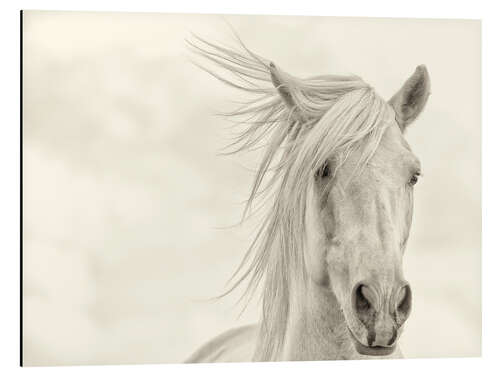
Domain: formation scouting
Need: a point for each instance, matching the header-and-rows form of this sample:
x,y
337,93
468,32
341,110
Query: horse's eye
x,y
414,179
324,171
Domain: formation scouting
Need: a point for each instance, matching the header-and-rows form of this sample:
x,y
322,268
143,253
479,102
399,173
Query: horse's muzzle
x,y
371,350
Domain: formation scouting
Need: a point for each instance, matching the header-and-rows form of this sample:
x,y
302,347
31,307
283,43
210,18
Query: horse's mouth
x,y
371,350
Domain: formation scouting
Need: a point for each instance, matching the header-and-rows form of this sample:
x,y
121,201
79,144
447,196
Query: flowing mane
x,y
332,116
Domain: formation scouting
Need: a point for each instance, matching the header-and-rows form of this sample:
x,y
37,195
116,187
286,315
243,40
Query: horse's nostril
x,y
404,303
369,295
361,301
364,302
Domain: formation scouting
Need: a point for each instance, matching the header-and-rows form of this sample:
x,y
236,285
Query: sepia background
x,y
129,212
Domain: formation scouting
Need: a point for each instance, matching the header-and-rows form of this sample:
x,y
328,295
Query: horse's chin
x,y
376,351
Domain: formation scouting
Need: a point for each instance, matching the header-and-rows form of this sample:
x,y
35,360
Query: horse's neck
x,y
317,329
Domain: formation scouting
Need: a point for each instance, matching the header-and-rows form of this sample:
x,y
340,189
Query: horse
x,y
338,178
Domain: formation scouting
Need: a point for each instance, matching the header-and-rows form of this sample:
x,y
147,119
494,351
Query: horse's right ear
x,y
284,86
410,100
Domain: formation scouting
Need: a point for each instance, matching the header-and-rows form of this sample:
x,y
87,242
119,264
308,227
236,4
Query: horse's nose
x,y
367,303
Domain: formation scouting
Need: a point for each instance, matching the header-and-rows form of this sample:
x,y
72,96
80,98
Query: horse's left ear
x,y
410,100
284,84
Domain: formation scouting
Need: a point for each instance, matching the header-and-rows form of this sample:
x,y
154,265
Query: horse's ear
x,y
284,86
410,100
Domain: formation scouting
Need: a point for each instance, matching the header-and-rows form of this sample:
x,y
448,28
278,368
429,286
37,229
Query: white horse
x,y
339,175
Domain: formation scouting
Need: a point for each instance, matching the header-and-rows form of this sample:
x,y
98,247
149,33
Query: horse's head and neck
x,y
340,176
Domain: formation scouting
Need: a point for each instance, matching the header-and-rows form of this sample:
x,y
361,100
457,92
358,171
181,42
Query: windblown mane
x,y
331,117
